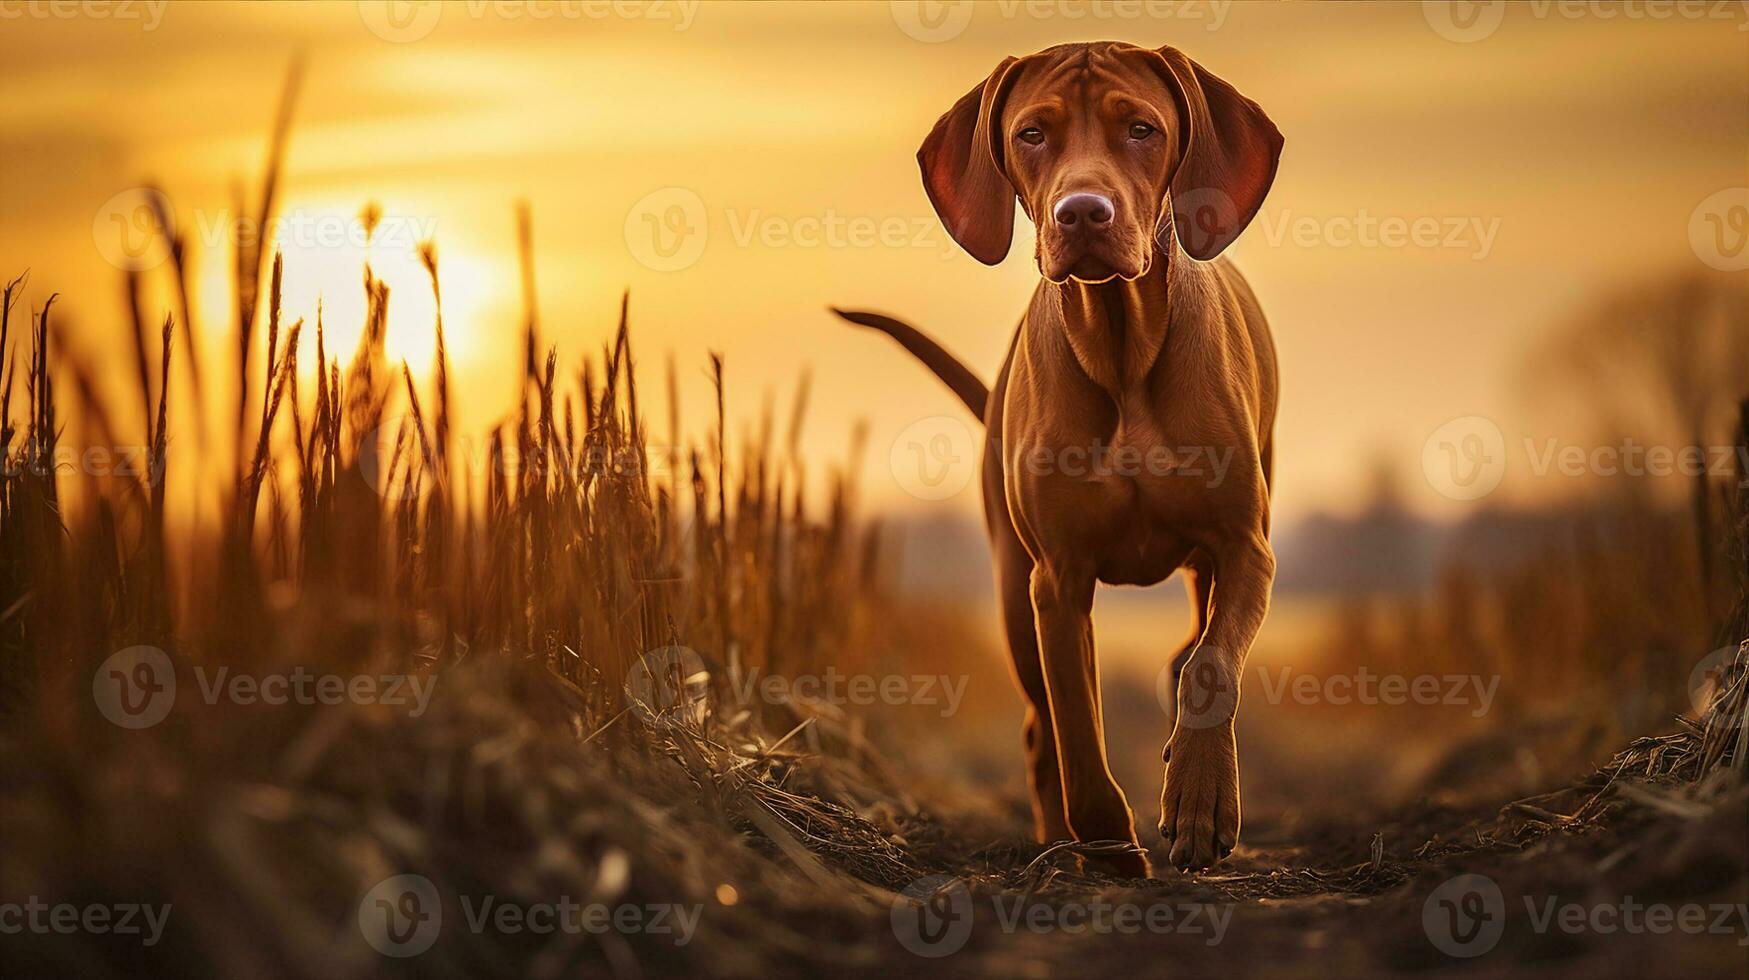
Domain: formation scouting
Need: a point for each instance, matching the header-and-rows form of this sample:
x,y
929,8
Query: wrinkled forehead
x,y
1112,80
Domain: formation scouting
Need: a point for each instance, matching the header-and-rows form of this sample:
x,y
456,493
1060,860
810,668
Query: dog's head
x,y
1111,149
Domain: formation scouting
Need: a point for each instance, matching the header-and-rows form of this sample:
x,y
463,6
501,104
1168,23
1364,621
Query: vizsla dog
x,y
1141,357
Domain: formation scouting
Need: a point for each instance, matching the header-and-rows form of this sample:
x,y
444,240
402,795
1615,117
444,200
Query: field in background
x,y
583,616
575,612
583,624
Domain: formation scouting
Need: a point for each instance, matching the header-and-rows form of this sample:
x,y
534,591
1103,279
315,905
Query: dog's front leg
x,y
1199,802
1062,603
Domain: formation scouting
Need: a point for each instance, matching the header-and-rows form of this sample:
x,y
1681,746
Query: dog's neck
x,y
1117,328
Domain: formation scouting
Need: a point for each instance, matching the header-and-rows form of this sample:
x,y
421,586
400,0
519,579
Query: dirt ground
x,y
817,853
1367,849
1360,893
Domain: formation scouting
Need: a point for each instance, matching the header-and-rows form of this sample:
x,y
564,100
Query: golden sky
x,y
1456,179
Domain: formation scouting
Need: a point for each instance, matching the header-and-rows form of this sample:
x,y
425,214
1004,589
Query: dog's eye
x,y
1031,135
1140,131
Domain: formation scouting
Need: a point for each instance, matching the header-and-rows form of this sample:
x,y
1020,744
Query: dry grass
x,y
356,538
1599,624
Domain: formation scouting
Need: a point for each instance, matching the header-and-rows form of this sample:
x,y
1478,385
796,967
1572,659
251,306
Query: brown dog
x,y
1140,359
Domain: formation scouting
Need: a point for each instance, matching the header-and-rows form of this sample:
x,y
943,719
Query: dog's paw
x,y
1199,803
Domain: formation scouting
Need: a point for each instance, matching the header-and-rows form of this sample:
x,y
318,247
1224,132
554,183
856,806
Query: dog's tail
x,y
955,375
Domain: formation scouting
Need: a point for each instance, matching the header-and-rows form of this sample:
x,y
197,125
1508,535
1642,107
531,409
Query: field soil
x,y
1371,891
1371,845
823,851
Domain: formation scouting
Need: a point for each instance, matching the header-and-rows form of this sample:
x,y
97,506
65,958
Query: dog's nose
x,y
1095,209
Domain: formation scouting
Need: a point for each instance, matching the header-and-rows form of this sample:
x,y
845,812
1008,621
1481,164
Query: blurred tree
x,y
1665,362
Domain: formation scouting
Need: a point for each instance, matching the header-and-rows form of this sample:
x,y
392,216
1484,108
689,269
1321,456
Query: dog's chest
x,y
1150,474
1122,482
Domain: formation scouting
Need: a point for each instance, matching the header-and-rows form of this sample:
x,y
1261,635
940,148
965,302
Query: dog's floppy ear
x,y
1228,151
961,159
